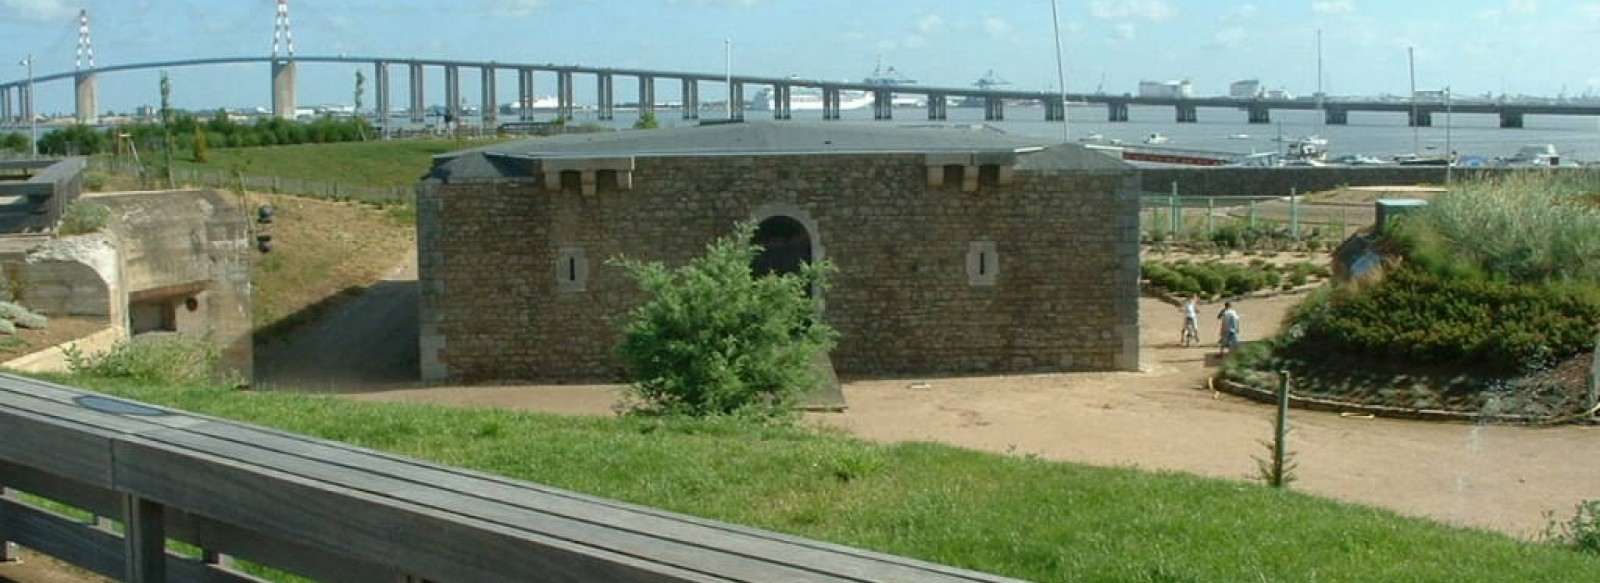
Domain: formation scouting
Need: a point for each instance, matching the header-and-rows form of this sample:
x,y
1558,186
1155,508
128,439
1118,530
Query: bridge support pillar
x,y
1055,108
1336,116
1258,114
5,104
1510,120
938,104
647,95
1117,111
525,96
489,110
380,91
452,95
87,98
1187,113
882,104
419,110
994,108
283,89
781,104
691,99
830,103
605,96
736,100
1420,118
564,95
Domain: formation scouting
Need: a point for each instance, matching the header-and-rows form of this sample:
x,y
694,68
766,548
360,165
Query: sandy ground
x,y
1500,478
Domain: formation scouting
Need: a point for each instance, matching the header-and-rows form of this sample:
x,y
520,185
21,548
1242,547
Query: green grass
x,y
1017,516
374,164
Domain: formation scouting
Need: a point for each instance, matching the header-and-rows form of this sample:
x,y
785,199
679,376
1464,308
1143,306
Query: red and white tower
x,y
85,47
282,34
283,84
85,89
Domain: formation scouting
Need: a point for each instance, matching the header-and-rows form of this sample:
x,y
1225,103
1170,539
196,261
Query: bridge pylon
x,y
283,69
86,92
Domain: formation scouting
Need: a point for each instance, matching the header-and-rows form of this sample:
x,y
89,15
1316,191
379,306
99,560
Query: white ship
x,y
810,99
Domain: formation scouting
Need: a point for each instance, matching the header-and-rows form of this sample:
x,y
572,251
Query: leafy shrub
x,y
1418,316
83,216
1581,532
164,359
712,338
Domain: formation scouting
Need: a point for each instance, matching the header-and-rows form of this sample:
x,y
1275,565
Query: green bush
x,y
83,216
1581,532
1415,315
166,359
712,338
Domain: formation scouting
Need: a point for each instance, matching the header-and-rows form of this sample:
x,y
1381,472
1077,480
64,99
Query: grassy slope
x,y
322,250
1021,517
393,163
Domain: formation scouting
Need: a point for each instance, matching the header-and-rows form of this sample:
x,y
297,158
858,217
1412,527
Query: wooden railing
x,y
334,512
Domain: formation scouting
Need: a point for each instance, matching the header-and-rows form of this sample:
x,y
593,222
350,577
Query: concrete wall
x,y
493,255
183,245
73,276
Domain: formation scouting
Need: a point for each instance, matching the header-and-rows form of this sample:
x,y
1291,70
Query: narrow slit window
x,y
983,263
571,270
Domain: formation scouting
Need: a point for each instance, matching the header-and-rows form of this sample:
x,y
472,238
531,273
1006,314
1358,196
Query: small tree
x,y
647,121
713,338
202,152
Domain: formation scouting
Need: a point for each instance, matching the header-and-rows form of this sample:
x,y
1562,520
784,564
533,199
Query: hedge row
x,y
1214,279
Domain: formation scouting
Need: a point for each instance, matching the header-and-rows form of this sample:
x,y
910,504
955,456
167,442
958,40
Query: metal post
x,y
1281,442
1449,151
1173,220
1294,215
1211,217
28,109
728,79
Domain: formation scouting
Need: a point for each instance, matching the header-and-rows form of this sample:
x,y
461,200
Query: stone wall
x,y
497,260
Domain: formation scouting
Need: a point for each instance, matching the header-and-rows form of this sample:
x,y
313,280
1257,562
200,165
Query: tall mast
x,y
1061,75
1411,62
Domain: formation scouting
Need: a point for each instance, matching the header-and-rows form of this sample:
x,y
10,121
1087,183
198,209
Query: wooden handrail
x,y
336,512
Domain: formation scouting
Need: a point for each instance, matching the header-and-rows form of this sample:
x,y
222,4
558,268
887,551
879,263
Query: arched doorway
x,y
785,245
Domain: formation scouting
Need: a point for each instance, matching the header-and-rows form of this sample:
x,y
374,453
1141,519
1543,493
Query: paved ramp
x,y
368,342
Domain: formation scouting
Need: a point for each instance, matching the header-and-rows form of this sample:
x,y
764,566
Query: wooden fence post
x,y
8,550
1280,442
145,540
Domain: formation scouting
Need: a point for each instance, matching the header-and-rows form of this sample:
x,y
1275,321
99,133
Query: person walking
x,y
1190,336
1229,334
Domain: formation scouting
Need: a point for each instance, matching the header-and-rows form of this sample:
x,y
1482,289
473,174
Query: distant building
x,y
1432,96
1166,89
1277,94
1246,89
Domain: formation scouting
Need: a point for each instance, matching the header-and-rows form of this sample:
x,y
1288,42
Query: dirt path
x,y
1500,478
368,342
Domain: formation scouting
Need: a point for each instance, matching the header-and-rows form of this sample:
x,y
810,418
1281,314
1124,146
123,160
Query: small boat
x,y
1093,137
1157,138
1239,136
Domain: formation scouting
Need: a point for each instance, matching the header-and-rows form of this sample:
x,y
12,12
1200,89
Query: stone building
x,y
959,250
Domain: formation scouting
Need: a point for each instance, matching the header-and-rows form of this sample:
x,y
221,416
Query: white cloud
x,y
1152,10
1333,7
1123,32
516,8
929,23
1522,6
1246,11
1231,37
38,10
996,26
